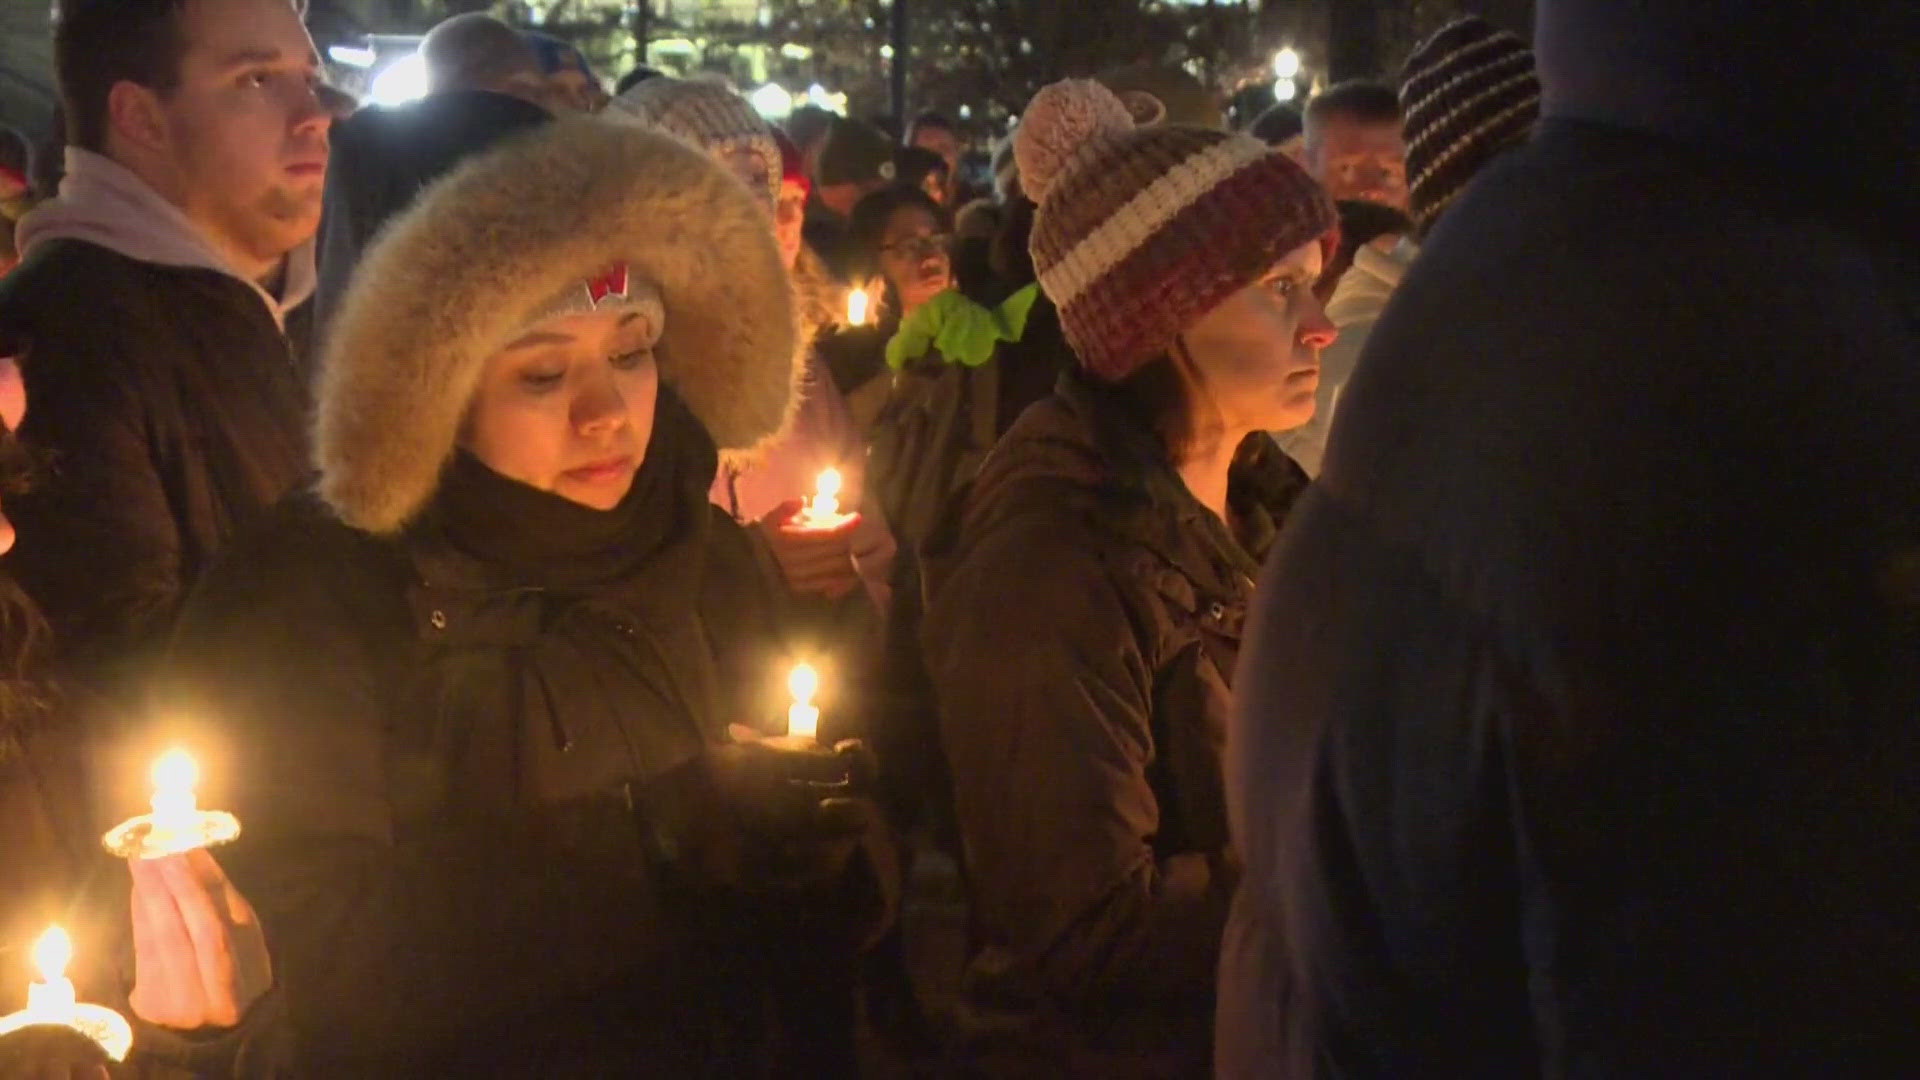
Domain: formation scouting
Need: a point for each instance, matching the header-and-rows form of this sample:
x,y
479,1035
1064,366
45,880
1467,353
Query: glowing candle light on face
x,y
51,1000
803,718
857,307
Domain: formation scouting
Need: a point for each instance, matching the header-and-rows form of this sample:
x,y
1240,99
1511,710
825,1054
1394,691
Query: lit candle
x,y
826,495
822,511
803,717
175,775
53,995
857,307
176,823
51,1000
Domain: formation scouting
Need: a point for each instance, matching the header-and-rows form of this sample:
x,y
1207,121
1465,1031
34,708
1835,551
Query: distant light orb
x,y
1285,91
403,80
772,101
1286,65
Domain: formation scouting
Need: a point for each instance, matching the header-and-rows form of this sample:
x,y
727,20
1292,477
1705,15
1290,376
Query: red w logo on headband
x,y
611,283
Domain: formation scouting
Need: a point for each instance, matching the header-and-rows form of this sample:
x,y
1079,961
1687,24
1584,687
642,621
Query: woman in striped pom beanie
x,y
1086,596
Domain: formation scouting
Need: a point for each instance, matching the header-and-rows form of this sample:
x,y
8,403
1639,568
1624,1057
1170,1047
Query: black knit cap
x,y
1468,92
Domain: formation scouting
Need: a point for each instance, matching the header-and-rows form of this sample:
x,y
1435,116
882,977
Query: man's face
x,y
941,141
245,129
1367,162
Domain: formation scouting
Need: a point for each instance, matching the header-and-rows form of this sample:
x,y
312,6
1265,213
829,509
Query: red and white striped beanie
x,y
1142,230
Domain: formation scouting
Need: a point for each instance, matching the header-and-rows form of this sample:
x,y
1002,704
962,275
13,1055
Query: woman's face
x,y
790,219
913,256
1258,353
568,408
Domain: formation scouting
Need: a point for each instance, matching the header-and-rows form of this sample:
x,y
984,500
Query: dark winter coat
x,y
383,157
1083,622
1578,724
444,773
167,402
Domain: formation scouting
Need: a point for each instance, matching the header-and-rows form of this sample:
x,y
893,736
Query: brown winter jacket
x,y
1083,622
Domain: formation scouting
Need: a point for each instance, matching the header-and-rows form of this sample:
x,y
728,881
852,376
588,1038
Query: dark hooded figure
x,y
483,697
485,83
1578,731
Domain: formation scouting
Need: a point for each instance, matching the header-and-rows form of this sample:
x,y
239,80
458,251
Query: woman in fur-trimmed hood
x,y
477,693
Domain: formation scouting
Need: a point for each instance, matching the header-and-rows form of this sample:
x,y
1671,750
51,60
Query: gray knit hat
x,y
1469,92
706,114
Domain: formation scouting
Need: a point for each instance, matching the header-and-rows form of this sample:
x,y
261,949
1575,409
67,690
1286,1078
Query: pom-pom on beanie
x,y
1142,230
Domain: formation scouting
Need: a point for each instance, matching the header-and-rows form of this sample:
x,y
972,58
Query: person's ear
x,y
136,114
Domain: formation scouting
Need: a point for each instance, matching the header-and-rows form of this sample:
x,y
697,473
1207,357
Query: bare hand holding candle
x,y
812,540
177,824
51,1000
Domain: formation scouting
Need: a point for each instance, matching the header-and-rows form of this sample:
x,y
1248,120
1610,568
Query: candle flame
x,y
828,485
52,952
175,772
803,684
857,307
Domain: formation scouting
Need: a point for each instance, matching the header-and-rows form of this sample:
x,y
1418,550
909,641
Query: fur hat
x,y
1142,230
455,278
706,114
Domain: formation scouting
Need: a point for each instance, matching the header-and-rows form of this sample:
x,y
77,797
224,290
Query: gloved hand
x,y
760,814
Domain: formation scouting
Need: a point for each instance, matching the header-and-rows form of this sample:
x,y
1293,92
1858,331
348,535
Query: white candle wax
x,y
803,717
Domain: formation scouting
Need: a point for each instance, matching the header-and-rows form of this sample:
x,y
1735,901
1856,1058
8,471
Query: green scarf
x,y
962,331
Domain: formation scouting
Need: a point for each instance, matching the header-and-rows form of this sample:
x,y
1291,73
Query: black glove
x,y
751,816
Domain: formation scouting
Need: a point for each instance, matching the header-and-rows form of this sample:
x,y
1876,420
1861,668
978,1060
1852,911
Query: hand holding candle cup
x,y
176,823
812,541
199,954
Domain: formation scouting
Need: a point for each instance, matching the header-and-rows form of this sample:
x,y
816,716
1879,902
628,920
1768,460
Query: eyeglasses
x,y
919,247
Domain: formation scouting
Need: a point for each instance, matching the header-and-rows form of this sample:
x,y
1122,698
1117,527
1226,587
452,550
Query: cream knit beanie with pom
x,y
1143,229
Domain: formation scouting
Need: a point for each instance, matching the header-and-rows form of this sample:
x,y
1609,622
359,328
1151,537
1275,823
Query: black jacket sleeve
x,y
389,942
99,547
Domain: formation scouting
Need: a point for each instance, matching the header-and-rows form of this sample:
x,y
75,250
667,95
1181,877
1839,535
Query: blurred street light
x,y
403,80
772,101
1286,66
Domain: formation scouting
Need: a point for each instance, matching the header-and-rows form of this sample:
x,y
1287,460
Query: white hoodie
x,y
1357,302
104,203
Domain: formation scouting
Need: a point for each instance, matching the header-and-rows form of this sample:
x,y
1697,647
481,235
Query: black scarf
x,y
538,539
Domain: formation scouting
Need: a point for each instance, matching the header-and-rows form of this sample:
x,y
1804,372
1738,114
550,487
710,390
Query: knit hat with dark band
x,y
1142,230
1469,93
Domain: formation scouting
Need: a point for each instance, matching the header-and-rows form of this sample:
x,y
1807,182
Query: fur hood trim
x,y
459,274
